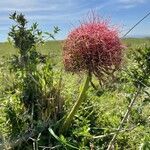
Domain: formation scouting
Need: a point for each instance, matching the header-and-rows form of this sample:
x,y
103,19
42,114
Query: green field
x,y
51,46
7,49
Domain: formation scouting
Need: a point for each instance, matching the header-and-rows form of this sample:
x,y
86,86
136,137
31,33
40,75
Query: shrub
x,y
34,96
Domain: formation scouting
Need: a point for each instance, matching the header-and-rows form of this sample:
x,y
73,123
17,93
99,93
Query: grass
x,y
133,42
7,49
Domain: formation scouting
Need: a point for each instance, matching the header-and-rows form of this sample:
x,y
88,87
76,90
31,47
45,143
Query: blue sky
x,y
67,13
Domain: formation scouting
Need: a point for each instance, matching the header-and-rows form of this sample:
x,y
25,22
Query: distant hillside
x,y
56,46
8,49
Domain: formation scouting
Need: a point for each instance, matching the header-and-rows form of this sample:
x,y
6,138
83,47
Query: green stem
x,y
76,106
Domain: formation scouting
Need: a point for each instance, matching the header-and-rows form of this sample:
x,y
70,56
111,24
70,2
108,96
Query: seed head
x,y
94,46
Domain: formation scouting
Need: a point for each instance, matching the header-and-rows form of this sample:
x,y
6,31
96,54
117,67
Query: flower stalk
x,y
76,106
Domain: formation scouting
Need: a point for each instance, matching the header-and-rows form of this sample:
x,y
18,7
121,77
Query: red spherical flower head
x,y
94,46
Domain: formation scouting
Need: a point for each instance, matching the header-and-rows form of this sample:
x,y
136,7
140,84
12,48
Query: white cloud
x,y
53,10
37,5
17,3
128,4
131,1
50,10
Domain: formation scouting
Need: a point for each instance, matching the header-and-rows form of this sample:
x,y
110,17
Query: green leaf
x,y
61,139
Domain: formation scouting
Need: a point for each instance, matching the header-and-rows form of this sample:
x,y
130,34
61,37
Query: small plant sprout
x,y
93,48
